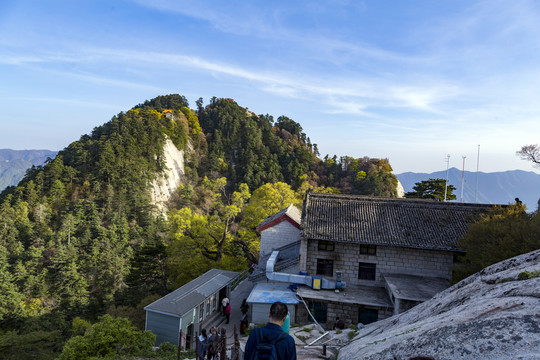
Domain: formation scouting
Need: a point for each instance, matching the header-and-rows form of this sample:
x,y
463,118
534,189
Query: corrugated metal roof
x,y
190,295
416,223
270,293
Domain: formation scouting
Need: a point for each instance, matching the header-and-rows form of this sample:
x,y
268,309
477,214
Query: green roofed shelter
x,y
189,307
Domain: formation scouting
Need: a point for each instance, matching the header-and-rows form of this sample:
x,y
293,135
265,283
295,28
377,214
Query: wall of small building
x,y
346,312
259,312
388,260
165,327
277,236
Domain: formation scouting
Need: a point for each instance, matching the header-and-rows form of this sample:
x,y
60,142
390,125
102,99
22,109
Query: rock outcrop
x,y
166,184
400,190
494,314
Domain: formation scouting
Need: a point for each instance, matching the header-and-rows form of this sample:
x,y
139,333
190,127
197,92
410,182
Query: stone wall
x,y
347,312
277,236
388,260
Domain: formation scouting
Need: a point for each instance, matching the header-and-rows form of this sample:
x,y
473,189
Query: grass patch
x,y
525,275
302,338
352,334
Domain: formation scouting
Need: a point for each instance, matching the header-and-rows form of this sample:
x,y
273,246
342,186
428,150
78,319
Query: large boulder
x,y
493,314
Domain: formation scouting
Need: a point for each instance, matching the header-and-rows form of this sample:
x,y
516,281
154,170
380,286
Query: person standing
x,y
224,303
286,324
203,345
244,307
212,343
271,335
228,312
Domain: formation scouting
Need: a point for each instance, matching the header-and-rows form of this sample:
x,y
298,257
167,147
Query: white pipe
x,y
317,339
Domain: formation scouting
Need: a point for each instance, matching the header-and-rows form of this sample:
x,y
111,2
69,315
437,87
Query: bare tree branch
x,y
530,153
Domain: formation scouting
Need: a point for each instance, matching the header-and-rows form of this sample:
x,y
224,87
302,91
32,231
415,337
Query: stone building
x,y
367,258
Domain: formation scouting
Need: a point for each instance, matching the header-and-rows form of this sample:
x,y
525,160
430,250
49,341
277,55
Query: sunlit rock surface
x,y
494,314
164,186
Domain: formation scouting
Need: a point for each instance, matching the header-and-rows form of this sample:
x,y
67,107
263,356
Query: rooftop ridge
x,y
407,201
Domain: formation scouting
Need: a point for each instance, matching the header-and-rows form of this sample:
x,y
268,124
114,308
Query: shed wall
x,y
259,312
165,327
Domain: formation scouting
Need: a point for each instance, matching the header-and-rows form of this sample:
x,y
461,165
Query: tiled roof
x,y
291,213
193,293
413,223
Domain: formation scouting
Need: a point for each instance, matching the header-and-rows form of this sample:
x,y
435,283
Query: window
x,y
325,267
368,249
201,312
207,307
214,302
367,315
366,271
318,310
326,245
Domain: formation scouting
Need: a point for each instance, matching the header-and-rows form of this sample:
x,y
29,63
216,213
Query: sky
x,y
412,81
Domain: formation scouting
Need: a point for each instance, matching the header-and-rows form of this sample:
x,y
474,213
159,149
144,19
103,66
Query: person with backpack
x,y
270,341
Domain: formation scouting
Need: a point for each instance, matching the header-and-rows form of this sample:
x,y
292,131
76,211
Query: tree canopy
x,y
502,233
432,189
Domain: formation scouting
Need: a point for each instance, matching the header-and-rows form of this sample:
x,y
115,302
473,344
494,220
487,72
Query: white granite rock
x,y
490,315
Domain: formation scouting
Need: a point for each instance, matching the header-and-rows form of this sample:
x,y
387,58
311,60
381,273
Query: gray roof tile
x,y
415,223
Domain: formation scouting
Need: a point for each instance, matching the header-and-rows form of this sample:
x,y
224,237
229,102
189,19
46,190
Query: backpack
x,y
265,348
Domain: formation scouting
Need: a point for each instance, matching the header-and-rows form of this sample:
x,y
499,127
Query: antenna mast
x,y
446,184
463,178
477,166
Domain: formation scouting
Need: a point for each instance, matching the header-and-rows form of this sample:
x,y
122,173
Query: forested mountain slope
x,y
81,236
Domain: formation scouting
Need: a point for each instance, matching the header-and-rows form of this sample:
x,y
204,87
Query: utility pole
x,y
463,177
477,166
446,184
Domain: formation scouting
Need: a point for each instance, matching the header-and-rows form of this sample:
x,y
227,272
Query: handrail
x,y
238,279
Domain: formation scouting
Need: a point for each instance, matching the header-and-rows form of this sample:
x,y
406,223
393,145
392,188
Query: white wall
x,y
277,236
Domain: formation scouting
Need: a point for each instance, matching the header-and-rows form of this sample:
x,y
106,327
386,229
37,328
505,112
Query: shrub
x,y
108,338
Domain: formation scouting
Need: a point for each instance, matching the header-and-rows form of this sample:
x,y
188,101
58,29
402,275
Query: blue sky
x,y
409,80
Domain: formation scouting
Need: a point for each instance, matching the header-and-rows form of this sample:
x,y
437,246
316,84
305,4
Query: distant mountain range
x,y
14,163
493,188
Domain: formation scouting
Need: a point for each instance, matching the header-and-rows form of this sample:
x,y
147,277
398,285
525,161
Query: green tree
x,y
432,189
265,201
502,233
9,294
109,338
202,239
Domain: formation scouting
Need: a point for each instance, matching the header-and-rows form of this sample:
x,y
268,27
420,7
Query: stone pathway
x,y
240,293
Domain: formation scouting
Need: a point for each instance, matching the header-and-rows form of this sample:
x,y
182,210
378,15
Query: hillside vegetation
x,y
80,237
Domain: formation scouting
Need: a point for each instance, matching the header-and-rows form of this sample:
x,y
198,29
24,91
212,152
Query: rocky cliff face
x,y
494,314
164,186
